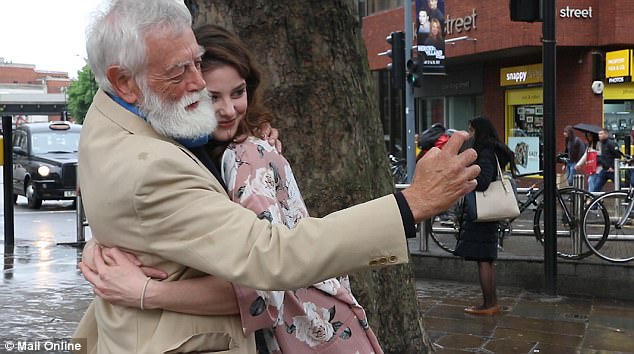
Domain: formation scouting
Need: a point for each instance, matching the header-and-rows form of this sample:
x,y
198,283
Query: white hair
x,y
117,34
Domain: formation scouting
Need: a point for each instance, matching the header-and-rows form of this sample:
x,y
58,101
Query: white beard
x,y
172,120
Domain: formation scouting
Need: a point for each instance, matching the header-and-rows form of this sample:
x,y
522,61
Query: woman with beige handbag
x,y
478,240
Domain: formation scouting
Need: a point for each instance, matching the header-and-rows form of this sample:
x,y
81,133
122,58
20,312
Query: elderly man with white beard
x,y
149,188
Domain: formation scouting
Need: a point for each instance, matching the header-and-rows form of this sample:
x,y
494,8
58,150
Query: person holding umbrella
x,y
574,149
599,156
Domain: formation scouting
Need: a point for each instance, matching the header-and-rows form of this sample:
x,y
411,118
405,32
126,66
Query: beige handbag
x,y
498,202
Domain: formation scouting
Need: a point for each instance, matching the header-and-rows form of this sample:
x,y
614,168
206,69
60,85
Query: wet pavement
x,y
43,296
42,292
529,322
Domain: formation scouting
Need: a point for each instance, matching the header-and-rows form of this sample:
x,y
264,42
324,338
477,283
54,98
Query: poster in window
x,y
526,153
538,121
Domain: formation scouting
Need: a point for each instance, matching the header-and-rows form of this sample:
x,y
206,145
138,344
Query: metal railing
x,y
578,182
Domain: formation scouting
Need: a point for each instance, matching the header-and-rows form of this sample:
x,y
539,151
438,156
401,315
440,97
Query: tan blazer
x,y
149,195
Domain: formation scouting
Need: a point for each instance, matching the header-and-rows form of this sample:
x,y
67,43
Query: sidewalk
x,y
529,323
43,296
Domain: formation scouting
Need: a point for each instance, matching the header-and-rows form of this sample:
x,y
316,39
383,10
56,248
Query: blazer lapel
x,y
201,154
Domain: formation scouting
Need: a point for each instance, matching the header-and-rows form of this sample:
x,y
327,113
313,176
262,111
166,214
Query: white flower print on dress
x,y
313,328
261,179
329,286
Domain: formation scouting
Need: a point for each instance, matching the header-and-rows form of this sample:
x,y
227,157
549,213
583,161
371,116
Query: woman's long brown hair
x,y
225,48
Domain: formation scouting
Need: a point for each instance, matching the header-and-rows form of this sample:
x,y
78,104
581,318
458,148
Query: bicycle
x,y
571,203
619,205
397,169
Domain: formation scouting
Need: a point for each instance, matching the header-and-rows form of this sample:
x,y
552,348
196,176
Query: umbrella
x,y
587,128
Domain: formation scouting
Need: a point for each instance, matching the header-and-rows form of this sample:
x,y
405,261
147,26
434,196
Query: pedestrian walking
x,y
575,149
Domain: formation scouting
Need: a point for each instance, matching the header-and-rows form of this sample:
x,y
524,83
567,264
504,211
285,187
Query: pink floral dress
x,y
323,318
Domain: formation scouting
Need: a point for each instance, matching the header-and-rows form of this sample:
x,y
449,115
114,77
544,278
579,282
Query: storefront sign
x,y
620,92
460,24
618,66
466,81
521,75
568,12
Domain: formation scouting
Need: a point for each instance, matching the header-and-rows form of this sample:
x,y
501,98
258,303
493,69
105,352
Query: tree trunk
x,y
319,87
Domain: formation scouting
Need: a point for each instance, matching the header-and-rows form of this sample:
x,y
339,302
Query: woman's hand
x,y
271,135
119,278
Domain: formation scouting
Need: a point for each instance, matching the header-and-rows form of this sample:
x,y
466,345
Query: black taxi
x,y
45,161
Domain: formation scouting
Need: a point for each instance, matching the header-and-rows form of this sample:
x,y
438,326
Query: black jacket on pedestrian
x,y
575,149
478,240
609,152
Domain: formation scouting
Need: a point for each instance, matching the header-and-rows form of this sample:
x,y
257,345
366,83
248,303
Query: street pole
x,y
409,96
7,175
549,60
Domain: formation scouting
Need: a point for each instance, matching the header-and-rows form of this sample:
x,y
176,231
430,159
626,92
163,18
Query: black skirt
x,y
478,241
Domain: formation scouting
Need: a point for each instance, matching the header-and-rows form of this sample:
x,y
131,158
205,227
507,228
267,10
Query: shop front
x,y
524,114
618,96
450,100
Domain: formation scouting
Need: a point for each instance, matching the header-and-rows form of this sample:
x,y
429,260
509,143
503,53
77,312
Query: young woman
x,y
323,318
592,148
435,35
478,241
575,149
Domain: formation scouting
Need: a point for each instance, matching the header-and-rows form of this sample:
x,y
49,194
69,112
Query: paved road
x,y
42,293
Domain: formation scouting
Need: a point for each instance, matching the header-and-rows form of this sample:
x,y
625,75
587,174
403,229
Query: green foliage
x,y
80,94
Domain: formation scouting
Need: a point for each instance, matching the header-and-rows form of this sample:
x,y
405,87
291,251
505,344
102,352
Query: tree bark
x,y
320,90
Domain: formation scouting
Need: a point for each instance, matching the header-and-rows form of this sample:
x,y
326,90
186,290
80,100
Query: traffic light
x,y
526,10
397,53
415,70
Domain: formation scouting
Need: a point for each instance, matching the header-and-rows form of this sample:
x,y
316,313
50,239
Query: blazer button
x,y
392,259
383,260
374,262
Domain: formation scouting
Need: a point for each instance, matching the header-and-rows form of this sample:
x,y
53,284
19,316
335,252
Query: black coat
x,y
609,152
478,240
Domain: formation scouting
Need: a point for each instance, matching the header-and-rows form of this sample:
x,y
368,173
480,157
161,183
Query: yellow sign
x,y
618,65
521,75
524,96
624,91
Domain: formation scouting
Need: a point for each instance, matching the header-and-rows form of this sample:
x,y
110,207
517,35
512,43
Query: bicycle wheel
x,y
445,228
618,246
570,244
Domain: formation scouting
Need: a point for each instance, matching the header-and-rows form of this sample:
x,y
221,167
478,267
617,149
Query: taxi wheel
x,y
32,200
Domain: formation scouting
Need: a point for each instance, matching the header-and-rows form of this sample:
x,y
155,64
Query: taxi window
x,y
58,142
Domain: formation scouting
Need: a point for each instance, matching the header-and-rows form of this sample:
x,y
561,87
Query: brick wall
x,y
502,43
611,24
20,74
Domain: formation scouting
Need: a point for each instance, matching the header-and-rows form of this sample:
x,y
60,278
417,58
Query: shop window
x,y
391,111
619,120
526,136
460,109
